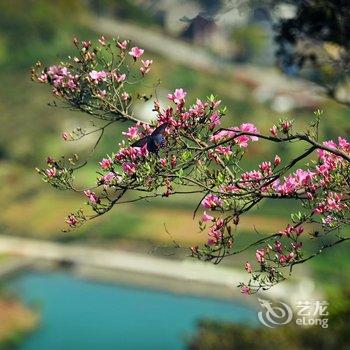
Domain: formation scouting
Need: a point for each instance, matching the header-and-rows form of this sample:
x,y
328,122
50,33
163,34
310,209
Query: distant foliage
x,y
212,335
186,151
315,43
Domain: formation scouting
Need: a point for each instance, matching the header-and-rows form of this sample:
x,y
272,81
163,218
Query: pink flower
x,y
198,109
222,135
51,172
56,71
136,52
265,167
291,256
102,40
278,246
163,162
225,150
49,160
129,168
274,130
248,267
146,66
296,245
43,78
105,163
344,145
229,189
251,177
319,209
214,120
102,93
299,230
178,96
215,104
86,44
91,196
97,77
65,136
62,78
303,177
328,220
283,259
122,45
125,96
245,290
117,76
132,133
277,160
71,220
214,236
242,141
131,153
334,202
289,186
249,127
287,231
260,255
211,201
108,178
144,151
207,217
286,125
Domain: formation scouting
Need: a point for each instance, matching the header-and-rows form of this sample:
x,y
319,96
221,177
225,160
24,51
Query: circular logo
x,y
274,315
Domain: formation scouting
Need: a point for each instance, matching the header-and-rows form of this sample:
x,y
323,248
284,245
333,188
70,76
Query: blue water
x,y
77,314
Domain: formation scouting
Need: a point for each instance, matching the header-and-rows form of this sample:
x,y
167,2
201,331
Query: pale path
x,y
186,276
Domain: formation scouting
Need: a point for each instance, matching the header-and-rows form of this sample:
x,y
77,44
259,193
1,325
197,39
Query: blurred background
x,y
125,279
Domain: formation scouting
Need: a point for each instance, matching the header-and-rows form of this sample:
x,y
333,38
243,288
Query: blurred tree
x,y
128,10
29,27
250,42
313,40
217,335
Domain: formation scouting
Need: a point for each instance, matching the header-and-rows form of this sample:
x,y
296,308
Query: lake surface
x,y
78,314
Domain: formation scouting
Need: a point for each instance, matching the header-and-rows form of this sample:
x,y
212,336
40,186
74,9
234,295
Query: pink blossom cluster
x,y
60,77
132,133
106,163
231,133
332,203
129,157
131,153
71,220
215,234
178,97
184,118
129,168
211,201
117,76
93,198
51,172
146,66
136,52
329,161
299,180
108,178
214,120
98,76
123,44
290,229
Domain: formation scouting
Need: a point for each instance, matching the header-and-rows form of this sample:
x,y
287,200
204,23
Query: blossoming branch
x,y
186,151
